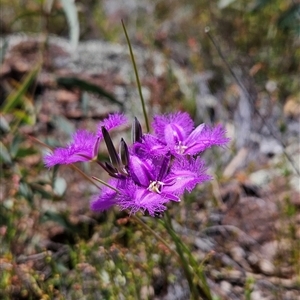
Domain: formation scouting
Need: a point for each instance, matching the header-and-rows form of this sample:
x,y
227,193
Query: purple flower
x,y
176,132
157,190
112,121
152,183
84,145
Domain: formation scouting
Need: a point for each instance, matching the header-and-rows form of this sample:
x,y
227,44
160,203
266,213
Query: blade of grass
x,y
3,50
4,154
73,82
16,97
137,78
70,10
27,113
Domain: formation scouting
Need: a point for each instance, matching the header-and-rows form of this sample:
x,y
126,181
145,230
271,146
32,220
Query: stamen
x,y
155,186
180,149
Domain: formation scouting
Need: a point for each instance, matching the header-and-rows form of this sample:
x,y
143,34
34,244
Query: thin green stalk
x,y
16,126
137,78
172,233
100,180
179,254
202,287
197,269
186,268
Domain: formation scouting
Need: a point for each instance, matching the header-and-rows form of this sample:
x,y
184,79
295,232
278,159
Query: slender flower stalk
x,y
199,289
155,234
184,262
137,78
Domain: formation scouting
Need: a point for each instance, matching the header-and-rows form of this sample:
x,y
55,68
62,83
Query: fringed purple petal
x,y
141,171
174,134
107,198
150,147
80,149
136,199
112,121
180,122
103,202
185,175
204,137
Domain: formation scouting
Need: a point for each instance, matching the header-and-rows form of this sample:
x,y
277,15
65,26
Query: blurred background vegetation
x,y
264,33
51,250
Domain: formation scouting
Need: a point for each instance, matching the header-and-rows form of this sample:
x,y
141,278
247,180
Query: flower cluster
x,y
156,169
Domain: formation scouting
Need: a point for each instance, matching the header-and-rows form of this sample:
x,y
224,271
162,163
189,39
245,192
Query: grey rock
x,y
225,286
266,267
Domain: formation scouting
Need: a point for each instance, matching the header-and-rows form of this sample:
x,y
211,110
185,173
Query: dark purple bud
x,y
124,153
136,132
113,155
110,168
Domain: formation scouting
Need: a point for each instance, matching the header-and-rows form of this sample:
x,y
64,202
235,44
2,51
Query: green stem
x,y
198,270
104,183
179,255
186,267
137,78
200,288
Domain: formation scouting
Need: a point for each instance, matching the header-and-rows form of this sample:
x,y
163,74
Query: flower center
x,y
180,148
155,186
